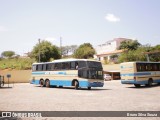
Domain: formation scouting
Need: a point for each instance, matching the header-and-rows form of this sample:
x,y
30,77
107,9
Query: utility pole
x,y
39,53
61,45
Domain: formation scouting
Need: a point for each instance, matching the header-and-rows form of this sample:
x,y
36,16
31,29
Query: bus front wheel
x,y
89,88
76,84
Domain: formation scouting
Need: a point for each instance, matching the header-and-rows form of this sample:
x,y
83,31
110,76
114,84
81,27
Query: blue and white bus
x,y
68,72
140,73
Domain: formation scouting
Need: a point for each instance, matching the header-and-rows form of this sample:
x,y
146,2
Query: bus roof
x,y
139,62
67,60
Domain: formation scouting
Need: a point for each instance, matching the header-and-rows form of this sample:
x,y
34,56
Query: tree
x,y
8,54
154,53
114,58
47,51
68,50
135,55
129,45
84,51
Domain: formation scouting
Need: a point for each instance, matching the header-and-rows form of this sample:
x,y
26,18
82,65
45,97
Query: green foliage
x,y
129,45
8,54
157,47
16,63
114,56
84,51
140,54
47,51
154,53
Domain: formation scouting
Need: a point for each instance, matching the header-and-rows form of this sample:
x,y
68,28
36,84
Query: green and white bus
x,y
140,73
68,72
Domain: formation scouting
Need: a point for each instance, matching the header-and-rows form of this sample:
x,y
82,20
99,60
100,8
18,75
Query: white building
x,y
104,51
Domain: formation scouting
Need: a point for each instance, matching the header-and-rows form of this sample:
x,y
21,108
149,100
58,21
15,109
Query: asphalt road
x,y
112,97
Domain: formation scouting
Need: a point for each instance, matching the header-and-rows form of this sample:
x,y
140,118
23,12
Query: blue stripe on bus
x,y
134,82
69,83
136,74
55,73
138,82
156,81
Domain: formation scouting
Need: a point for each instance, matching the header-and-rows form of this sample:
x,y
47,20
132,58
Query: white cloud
x,y
3,29
112,18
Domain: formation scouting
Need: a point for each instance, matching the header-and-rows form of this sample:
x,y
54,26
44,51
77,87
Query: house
x,y
109,50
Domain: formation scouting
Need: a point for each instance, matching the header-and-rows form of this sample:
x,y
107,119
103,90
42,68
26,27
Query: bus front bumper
x,y
96,84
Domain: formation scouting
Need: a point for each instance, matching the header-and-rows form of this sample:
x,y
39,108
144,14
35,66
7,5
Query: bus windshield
x,y
92,64
93,70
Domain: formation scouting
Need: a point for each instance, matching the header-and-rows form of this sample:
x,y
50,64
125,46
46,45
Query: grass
x,y
16,63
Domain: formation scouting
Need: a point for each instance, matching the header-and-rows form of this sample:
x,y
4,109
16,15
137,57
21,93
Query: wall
x,y
111,67
17,76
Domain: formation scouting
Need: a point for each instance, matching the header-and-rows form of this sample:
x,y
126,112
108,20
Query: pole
x,y
8,82
39,51
61,45
147,57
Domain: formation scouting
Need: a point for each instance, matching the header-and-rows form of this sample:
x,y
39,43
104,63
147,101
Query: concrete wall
x,y
112,67
17,76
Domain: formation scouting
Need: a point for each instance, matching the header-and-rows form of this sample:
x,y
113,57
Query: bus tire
x,y
89,88
137,85
150,81
47,83
76,84
42,83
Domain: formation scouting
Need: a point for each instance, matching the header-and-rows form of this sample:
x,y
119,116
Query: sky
x,y
23,22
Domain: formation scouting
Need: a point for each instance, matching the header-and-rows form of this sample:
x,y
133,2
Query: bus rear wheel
x,y
137,85
150,81
47,83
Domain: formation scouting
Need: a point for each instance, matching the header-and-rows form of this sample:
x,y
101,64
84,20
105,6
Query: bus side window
x,y
143,67
73,65
34,68
139,68
155,67
57,66
52,66
48,67
44,67
82,64
40,67
63,66
146,67
158,65
68,66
